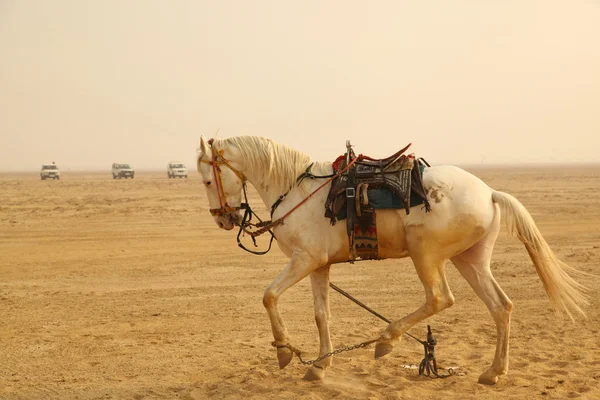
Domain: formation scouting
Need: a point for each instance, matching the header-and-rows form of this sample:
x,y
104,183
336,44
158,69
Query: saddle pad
x,y
365,241
384,198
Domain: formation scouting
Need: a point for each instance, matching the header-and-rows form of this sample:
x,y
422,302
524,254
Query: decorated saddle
x,y
370,184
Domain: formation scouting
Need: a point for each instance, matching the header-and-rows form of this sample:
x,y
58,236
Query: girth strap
x,y
351,209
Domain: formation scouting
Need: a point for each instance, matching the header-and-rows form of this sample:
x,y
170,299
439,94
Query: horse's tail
x,y
564,292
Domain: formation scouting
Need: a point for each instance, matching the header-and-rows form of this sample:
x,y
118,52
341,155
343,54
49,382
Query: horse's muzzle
x,y
229,220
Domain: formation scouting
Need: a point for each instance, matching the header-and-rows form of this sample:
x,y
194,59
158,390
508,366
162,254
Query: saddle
x,y
352,194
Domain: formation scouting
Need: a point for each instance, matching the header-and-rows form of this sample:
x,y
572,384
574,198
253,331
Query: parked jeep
x,y
176,169
49,171
122,171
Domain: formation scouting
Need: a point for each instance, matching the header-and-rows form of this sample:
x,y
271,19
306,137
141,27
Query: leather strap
x,y
350,208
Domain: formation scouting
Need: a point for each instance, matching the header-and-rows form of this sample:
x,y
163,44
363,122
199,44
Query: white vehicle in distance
x,y
176,169
122,171
49,171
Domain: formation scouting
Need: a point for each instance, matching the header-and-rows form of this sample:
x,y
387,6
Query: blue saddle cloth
x,y
385,198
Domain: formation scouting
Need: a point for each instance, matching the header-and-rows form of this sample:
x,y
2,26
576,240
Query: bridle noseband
x,y
216,161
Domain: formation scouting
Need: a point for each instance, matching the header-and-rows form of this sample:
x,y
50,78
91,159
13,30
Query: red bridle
x,y
216,161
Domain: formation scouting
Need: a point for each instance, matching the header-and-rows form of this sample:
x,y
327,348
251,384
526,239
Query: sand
x,y
126,289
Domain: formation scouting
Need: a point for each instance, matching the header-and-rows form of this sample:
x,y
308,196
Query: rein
x,y
279,221
267,226
305,174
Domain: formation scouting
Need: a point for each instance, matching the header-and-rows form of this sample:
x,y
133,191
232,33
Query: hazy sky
x,y
86,83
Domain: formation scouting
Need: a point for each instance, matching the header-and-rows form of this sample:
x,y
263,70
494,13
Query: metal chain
x,y
298,353
425,368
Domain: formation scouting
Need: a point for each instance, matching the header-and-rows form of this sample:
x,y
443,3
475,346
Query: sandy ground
x,y
125,289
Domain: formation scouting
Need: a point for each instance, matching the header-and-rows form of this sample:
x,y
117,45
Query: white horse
x,y
462,226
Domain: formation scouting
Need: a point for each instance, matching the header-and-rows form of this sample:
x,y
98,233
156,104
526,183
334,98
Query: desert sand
x,y
126,289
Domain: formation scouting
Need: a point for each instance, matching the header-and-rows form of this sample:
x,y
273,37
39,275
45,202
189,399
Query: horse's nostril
x,y
221,225
234,219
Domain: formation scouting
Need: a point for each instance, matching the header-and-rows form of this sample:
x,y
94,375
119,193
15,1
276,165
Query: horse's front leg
x,y
319,280
300,265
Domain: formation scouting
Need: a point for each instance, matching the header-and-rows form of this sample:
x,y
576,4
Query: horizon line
x,y
460,165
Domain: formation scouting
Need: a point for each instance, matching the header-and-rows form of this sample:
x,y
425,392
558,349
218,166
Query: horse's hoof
x,y
383,349
488,378
314,373
284,356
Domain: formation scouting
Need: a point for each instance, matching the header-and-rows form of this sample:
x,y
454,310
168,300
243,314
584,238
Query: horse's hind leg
x,y
474,265
431,271
320,289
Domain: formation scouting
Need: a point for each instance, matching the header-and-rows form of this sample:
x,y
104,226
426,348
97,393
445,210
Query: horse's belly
x,y
391,237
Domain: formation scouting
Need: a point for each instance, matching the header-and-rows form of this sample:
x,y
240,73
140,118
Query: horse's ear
x,y
204,145
202,151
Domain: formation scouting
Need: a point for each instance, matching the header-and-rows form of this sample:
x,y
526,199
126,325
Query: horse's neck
x,y
270,194
271,168
265,190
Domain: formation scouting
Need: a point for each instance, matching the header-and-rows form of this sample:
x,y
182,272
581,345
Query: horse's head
x,y
223,182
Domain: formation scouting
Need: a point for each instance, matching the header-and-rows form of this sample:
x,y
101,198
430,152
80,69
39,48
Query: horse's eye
x,y
207,183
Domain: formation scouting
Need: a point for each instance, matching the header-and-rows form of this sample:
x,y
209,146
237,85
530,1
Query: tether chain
x,y
427,367
298,353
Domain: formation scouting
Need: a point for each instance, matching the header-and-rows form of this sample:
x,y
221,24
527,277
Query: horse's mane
x,y
265,157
